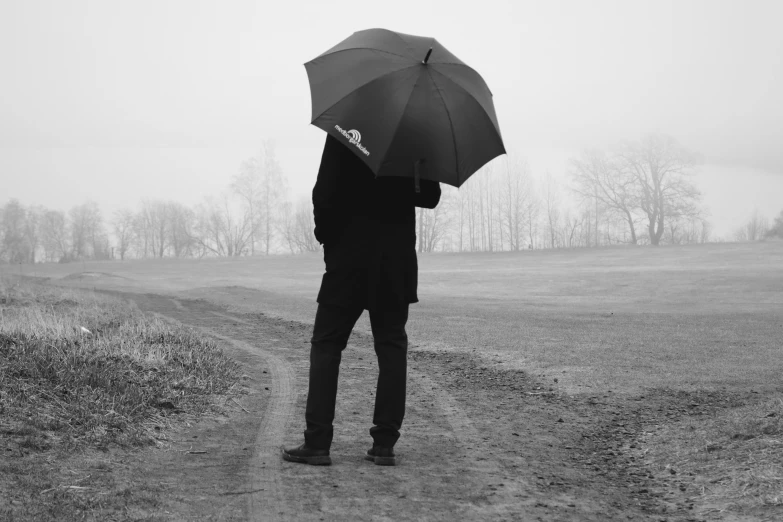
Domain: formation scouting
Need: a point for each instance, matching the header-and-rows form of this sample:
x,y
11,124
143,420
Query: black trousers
x,y
333,326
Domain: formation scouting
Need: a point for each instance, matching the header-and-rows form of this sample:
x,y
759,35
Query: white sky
x,y
116,101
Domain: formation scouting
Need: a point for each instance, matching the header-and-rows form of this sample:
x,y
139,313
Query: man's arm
x,y
429,197
327,208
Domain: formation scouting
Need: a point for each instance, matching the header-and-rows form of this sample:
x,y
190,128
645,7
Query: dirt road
x,y
479,442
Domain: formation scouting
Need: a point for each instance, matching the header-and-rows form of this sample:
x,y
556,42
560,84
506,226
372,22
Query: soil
x,y
480,441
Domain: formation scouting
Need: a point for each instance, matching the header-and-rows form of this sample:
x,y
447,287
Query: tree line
x,y
635,193
252,216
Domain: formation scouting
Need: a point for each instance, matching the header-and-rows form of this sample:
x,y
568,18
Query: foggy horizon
x,y
116,103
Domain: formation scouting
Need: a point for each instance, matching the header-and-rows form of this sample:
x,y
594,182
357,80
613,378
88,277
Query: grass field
x,y
613,318
587,322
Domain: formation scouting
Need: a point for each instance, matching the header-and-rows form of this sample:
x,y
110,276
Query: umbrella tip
x,y
428,56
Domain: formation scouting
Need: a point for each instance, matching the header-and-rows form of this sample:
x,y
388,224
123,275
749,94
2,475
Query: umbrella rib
x,y
407,104
484,112
451,122
466,66
456,84
363,85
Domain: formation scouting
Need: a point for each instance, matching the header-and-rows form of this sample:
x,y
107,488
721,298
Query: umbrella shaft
x,y
417,175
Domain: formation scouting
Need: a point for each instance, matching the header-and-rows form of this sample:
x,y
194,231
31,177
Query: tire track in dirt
x,y
266,495
266,492
467,436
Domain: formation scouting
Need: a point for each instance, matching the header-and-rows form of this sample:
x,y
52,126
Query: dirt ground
x,y
480,441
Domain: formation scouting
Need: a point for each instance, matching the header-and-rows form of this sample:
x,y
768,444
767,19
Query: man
x,y
368,228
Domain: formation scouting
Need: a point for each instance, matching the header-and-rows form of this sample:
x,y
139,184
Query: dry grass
x,y
733,461
65,391
106,386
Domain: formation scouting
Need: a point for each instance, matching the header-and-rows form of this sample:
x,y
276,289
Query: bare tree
x,y
261,187
604,181
432,224
660,168
551,199
14,247
54,236
705,231
88,237
755,229
222,228
514,199
180,220
487,207
776,230
153,225
571,228
692,231
532,217
122,224
297,227
469,216
32,231
248,185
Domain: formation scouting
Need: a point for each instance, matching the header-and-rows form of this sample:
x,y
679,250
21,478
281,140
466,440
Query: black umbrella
x,y
400,102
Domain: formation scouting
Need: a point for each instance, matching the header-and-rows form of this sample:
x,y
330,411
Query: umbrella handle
x,y
417,175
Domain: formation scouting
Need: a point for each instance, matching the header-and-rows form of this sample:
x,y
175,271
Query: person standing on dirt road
x,y
367,225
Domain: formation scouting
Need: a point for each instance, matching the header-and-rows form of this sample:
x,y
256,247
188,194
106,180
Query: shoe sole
x,y
381,461
313,461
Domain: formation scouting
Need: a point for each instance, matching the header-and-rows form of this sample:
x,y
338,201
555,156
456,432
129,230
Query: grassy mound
x,y
78,368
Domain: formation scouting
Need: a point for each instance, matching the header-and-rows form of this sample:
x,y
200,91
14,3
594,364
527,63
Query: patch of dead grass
x,y
81,372
732,462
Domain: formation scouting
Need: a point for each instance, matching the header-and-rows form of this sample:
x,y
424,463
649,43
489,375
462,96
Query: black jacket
x,y
368,228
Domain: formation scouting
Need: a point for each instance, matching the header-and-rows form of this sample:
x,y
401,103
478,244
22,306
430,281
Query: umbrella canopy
x,y
398,100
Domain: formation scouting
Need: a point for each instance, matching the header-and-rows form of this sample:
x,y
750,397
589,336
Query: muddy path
x,y
479,442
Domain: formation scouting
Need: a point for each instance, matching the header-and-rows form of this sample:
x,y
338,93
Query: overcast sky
x,y
116,101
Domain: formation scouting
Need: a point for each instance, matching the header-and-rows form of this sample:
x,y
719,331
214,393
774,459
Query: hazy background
x,y
118,101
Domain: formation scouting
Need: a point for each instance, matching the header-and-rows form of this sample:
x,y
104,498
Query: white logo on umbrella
x,y
354,138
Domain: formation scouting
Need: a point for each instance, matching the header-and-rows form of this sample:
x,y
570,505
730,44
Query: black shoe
x,y
305,455
381,456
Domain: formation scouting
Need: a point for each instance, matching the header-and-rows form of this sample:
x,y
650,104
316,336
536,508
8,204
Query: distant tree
x,y
572,225
660,168
754,229
468,216
602,179
551,201
180,221
222,227
297,227
515,195
532,210
14,247
152,226
776,230
32,231
122,224
432,225
261,187
487,205
55,236
88,237
248,185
